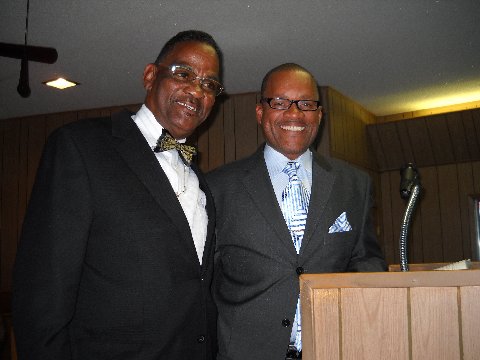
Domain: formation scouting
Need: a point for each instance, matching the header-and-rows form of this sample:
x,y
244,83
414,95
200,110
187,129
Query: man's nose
x,y
294,110
195,88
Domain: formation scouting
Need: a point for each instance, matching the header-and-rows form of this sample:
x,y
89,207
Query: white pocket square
x,y
341,224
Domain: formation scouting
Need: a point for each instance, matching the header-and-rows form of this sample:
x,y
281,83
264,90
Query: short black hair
x,y
189,35
283,67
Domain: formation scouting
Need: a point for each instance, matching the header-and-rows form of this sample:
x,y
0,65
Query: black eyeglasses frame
x,y
268,101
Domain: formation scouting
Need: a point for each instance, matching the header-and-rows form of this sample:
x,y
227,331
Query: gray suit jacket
x,y
257,267
106,267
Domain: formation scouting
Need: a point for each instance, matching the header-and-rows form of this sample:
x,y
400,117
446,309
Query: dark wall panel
x,y
472,133
456,130
442,227
246,130
427,141
466,188
9,194
346,123
388,232
448,194
216,140
441,144
229,129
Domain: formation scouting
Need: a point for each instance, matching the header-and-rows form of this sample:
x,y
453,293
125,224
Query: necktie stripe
x,y
295,199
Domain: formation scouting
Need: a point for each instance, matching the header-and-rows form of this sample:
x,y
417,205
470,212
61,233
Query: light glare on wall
x,y
457,98
60,83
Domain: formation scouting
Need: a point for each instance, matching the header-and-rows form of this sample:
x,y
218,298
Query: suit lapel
x,y
322,184
131,145
259,187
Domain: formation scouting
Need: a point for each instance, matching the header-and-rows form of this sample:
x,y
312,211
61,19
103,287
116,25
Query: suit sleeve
x,y
51,250
367,255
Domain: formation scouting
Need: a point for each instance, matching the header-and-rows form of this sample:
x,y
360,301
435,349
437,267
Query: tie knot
x,y
167,142
291,168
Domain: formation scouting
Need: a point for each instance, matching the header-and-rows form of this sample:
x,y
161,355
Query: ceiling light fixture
x,y
60,83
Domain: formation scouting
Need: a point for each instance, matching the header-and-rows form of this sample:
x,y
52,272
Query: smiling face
x,y
290,131
181,106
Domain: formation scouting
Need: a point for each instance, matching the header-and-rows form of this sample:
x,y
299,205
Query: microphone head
x,y
409,177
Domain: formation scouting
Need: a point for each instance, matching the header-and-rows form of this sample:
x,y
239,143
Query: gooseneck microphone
x,y
409,189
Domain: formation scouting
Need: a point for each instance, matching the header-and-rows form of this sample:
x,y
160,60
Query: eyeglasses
x,y
184,73
284,104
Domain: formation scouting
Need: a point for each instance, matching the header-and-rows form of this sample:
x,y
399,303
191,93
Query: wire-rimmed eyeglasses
x,y
284,104
184,73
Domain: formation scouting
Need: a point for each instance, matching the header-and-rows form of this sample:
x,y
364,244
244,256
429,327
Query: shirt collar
x,y
149,125
276,161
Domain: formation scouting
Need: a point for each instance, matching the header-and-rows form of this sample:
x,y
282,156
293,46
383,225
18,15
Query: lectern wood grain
x,y
416,315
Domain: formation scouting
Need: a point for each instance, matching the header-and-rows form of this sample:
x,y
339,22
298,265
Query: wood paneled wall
x,y
427,141
348,137
21,145
231,133
446,150
442,227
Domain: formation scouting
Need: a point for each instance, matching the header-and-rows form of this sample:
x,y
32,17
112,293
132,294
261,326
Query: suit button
x,y
300,270
201,339
285,323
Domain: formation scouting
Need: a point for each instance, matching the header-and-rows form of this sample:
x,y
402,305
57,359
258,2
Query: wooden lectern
x,y
414,315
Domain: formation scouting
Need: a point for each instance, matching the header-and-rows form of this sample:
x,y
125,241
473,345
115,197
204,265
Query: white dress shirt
x,y
182,178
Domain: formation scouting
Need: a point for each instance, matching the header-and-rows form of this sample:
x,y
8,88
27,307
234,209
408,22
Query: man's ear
x,y
149,76
259,113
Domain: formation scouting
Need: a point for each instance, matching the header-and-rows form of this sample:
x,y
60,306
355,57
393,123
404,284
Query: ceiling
x,y
391,56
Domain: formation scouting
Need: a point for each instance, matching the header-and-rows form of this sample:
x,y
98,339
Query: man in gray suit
x,y
262,247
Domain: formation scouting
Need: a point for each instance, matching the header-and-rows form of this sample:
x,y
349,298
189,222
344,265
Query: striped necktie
x,y
295,199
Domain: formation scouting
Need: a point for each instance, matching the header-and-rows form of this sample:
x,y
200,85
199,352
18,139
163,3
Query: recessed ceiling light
x,y
60,83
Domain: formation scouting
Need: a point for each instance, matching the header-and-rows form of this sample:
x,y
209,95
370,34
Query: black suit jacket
x,y
257,267
106,267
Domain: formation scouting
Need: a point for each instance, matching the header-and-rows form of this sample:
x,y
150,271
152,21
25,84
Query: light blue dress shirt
x,y
275,164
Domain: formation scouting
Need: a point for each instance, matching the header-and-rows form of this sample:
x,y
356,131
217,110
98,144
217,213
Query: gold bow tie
x,y
167,142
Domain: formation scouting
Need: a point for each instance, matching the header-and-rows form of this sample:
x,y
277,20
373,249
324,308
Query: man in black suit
x,y
116,255
262,244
